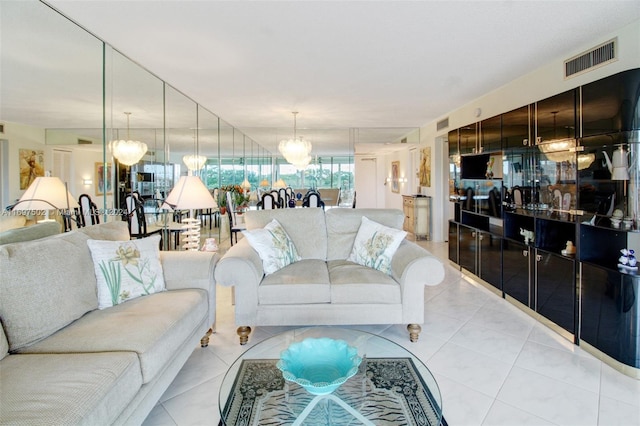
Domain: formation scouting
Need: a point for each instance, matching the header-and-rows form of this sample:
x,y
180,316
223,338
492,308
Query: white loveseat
x,y
324,288
63,361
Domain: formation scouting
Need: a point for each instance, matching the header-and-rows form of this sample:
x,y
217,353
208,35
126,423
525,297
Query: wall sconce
x,y
87,182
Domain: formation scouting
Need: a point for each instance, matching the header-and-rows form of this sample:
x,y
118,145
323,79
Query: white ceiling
x,y
343,64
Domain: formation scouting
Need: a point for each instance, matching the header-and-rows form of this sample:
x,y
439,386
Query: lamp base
x,y
191,235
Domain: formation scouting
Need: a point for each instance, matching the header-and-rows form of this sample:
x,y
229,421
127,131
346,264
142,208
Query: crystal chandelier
x,y
297,150
194,162
128,152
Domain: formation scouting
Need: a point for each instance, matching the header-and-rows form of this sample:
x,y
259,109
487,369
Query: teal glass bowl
x,y
319,365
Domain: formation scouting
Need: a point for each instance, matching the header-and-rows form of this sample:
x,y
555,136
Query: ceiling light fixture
x,y
296,151
128,152
194,162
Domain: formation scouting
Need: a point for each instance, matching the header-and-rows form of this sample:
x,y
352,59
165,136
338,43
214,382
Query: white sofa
x,y
63,361
324,288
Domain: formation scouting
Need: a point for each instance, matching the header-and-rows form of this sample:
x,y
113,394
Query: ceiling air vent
x,y
442,124
1,128
598,56
84,142
403,140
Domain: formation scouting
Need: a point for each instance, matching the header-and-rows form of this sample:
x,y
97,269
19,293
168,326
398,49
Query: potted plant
x,y
222,202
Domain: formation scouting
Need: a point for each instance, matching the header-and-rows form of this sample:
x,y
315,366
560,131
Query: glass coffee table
x,y
392,386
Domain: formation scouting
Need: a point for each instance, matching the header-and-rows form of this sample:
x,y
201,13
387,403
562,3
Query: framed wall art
x,y
424,175
395,176
103,170
31,166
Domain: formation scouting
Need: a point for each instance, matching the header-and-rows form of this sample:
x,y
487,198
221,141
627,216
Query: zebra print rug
x,y
387,391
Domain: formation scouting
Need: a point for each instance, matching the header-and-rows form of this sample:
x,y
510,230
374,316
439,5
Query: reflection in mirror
x,y
51,79
134,111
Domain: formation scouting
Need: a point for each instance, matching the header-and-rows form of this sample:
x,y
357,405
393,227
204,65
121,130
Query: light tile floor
x,y
494,364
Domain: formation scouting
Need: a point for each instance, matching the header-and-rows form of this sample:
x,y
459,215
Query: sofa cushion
x,y
126,269
153,326
343,225
45,284
306,281
275,248
375,245
69,389
305,226
4,345
353,283
30,233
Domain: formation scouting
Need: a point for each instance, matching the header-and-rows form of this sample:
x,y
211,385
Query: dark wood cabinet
x,y
480,253
467,248
490,259
610,105
560,191
453,242
468,139
452,140
542,281
516,271
610,312
555,289
556,117
490,131
516,128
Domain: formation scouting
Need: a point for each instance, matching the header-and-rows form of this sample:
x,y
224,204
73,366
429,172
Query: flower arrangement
x,y
240,197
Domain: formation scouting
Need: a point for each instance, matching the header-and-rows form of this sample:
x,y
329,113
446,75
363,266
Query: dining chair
x,y
138,227
267,202
313,200
87,211
283,197
234,226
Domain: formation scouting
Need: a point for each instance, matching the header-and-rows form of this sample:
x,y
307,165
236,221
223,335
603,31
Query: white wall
x,y
541,83
83,161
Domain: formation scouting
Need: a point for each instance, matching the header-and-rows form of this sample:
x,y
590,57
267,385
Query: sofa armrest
x,y
240,265
414,267
412,263
191,269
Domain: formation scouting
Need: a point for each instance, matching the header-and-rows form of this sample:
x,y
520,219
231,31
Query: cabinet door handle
x,y
538,257
525,253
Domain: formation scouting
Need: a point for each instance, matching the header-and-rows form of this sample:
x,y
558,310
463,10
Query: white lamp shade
x,y
128,152
46,193
280,183
189,193
245,184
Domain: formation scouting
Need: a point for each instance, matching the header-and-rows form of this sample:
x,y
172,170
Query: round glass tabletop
x,y
392,386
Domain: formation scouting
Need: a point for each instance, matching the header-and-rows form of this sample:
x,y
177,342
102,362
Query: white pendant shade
x,y
280,183
194,162
189,193
128,152
245,184
46,193
296,151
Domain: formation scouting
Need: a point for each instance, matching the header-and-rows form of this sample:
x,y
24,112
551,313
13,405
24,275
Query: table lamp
x,y
191,194
44,194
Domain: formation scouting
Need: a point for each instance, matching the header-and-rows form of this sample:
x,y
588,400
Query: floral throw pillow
x,y
375,245
126,269
275,248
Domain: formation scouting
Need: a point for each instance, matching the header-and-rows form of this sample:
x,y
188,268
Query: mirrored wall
x,y
65,95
